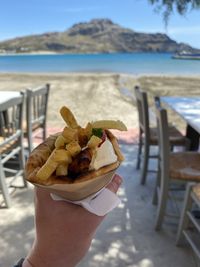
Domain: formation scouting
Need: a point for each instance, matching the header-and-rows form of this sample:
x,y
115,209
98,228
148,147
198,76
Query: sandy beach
x,y
94,96
89,96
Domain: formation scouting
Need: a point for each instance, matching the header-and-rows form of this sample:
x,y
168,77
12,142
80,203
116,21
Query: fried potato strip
x,y
70,134
110,124
68,117
60,142
57,157
94,141
62,169
73,148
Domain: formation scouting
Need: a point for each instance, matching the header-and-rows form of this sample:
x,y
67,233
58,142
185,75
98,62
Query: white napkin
x,y
99,203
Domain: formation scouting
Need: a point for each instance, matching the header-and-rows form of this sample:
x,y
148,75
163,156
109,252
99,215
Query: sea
x,y
130,63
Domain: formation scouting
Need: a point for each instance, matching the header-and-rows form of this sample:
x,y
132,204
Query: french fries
x,y
60,142
68,117
62,169
73,148
72,140
109,124
57,157
94,141
83,136
70,134
88,129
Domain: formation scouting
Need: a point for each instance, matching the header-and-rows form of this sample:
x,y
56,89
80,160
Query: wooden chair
x,y
148,137
175,168
36,114
189,220
11,145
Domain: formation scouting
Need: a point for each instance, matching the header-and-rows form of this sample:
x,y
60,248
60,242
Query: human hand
x,y
64,231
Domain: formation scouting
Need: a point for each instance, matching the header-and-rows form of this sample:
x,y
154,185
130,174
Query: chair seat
x,y
175,136
196,190
35,126
185,166
7,147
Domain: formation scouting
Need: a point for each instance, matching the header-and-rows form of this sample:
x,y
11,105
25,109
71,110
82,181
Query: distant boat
x,y
186,55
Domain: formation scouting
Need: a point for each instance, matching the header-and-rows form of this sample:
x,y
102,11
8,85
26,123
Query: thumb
x,y
114,185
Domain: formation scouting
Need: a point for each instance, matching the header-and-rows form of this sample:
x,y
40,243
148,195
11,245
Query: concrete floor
x,y
125,238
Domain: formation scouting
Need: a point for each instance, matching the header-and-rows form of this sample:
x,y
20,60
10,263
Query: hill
x,y
96,36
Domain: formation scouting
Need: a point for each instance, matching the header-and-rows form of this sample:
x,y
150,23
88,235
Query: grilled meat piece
x,y
80,164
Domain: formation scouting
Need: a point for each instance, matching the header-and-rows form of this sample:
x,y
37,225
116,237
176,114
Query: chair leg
x,y
4,187
22,165
155,194
139,152
184,220
163,196
44,132
145,162
30,142
188,144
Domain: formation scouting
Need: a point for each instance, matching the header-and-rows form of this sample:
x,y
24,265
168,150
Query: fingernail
x,y
118,180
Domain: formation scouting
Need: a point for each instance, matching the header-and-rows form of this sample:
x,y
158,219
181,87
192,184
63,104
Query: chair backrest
x,y
36,107
11,118
163,140
143,110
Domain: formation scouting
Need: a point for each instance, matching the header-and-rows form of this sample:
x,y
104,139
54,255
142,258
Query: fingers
x,y
114,185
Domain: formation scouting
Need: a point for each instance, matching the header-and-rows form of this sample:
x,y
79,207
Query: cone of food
x,y
77,162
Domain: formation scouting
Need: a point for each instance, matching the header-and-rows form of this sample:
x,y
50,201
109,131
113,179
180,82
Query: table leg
x,y
193,135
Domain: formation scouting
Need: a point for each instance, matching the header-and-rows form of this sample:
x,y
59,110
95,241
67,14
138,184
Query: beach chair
x,y
148,135
36,114
189,228
175,169
11,146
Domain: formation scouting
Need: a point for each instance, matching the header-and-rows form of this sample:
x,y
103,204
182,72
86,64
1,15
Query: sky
x,y
25,17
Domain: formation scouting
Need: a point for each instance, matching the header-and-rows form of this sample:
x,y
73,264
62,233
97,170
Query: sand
x,y
94,96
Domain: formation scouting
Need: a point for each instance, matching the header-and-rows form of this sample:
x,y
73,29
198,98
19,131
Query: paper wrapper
x,y
99,203
84,186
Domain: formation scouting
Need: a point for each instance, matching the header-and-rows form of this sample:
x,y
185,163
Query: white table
x,y
7,95
189,109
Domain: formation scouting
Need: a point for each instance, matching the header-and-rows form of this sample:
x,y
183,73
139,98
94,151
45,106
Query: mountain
x,y
96,36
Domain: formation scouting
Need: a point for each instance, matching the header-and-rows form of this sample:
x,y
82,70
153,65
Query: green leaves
x,y
98,132
168,6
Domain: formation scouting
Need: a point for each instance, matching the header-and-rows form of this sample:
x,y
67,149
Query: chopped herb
x,y
97,132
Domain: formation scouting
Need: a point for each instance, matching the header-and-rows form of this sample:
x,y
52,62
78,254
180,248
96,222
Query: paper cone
x,y
79,191
73,190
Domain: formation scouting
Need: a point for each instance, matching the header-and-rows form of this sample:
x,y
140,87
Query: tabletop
x,y
7,95
187,107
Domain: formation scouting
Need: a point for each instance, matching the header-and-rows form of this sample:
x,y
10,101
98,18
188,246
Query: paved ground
x,y
126,237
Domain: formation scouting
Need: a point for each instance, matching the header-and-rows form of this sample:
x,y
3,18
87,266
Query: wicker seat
x,y
175,136
185,166
189,227
148,136
36,114
11,145
179,167
7,147
196,190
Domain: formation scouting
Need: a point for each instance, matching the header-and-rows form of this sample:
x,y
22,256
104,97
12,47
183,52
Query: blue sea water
x,y
131,63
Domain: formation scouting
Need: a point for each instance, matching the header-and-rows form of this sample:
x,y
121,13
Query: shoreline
x,y
101,73
47,52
